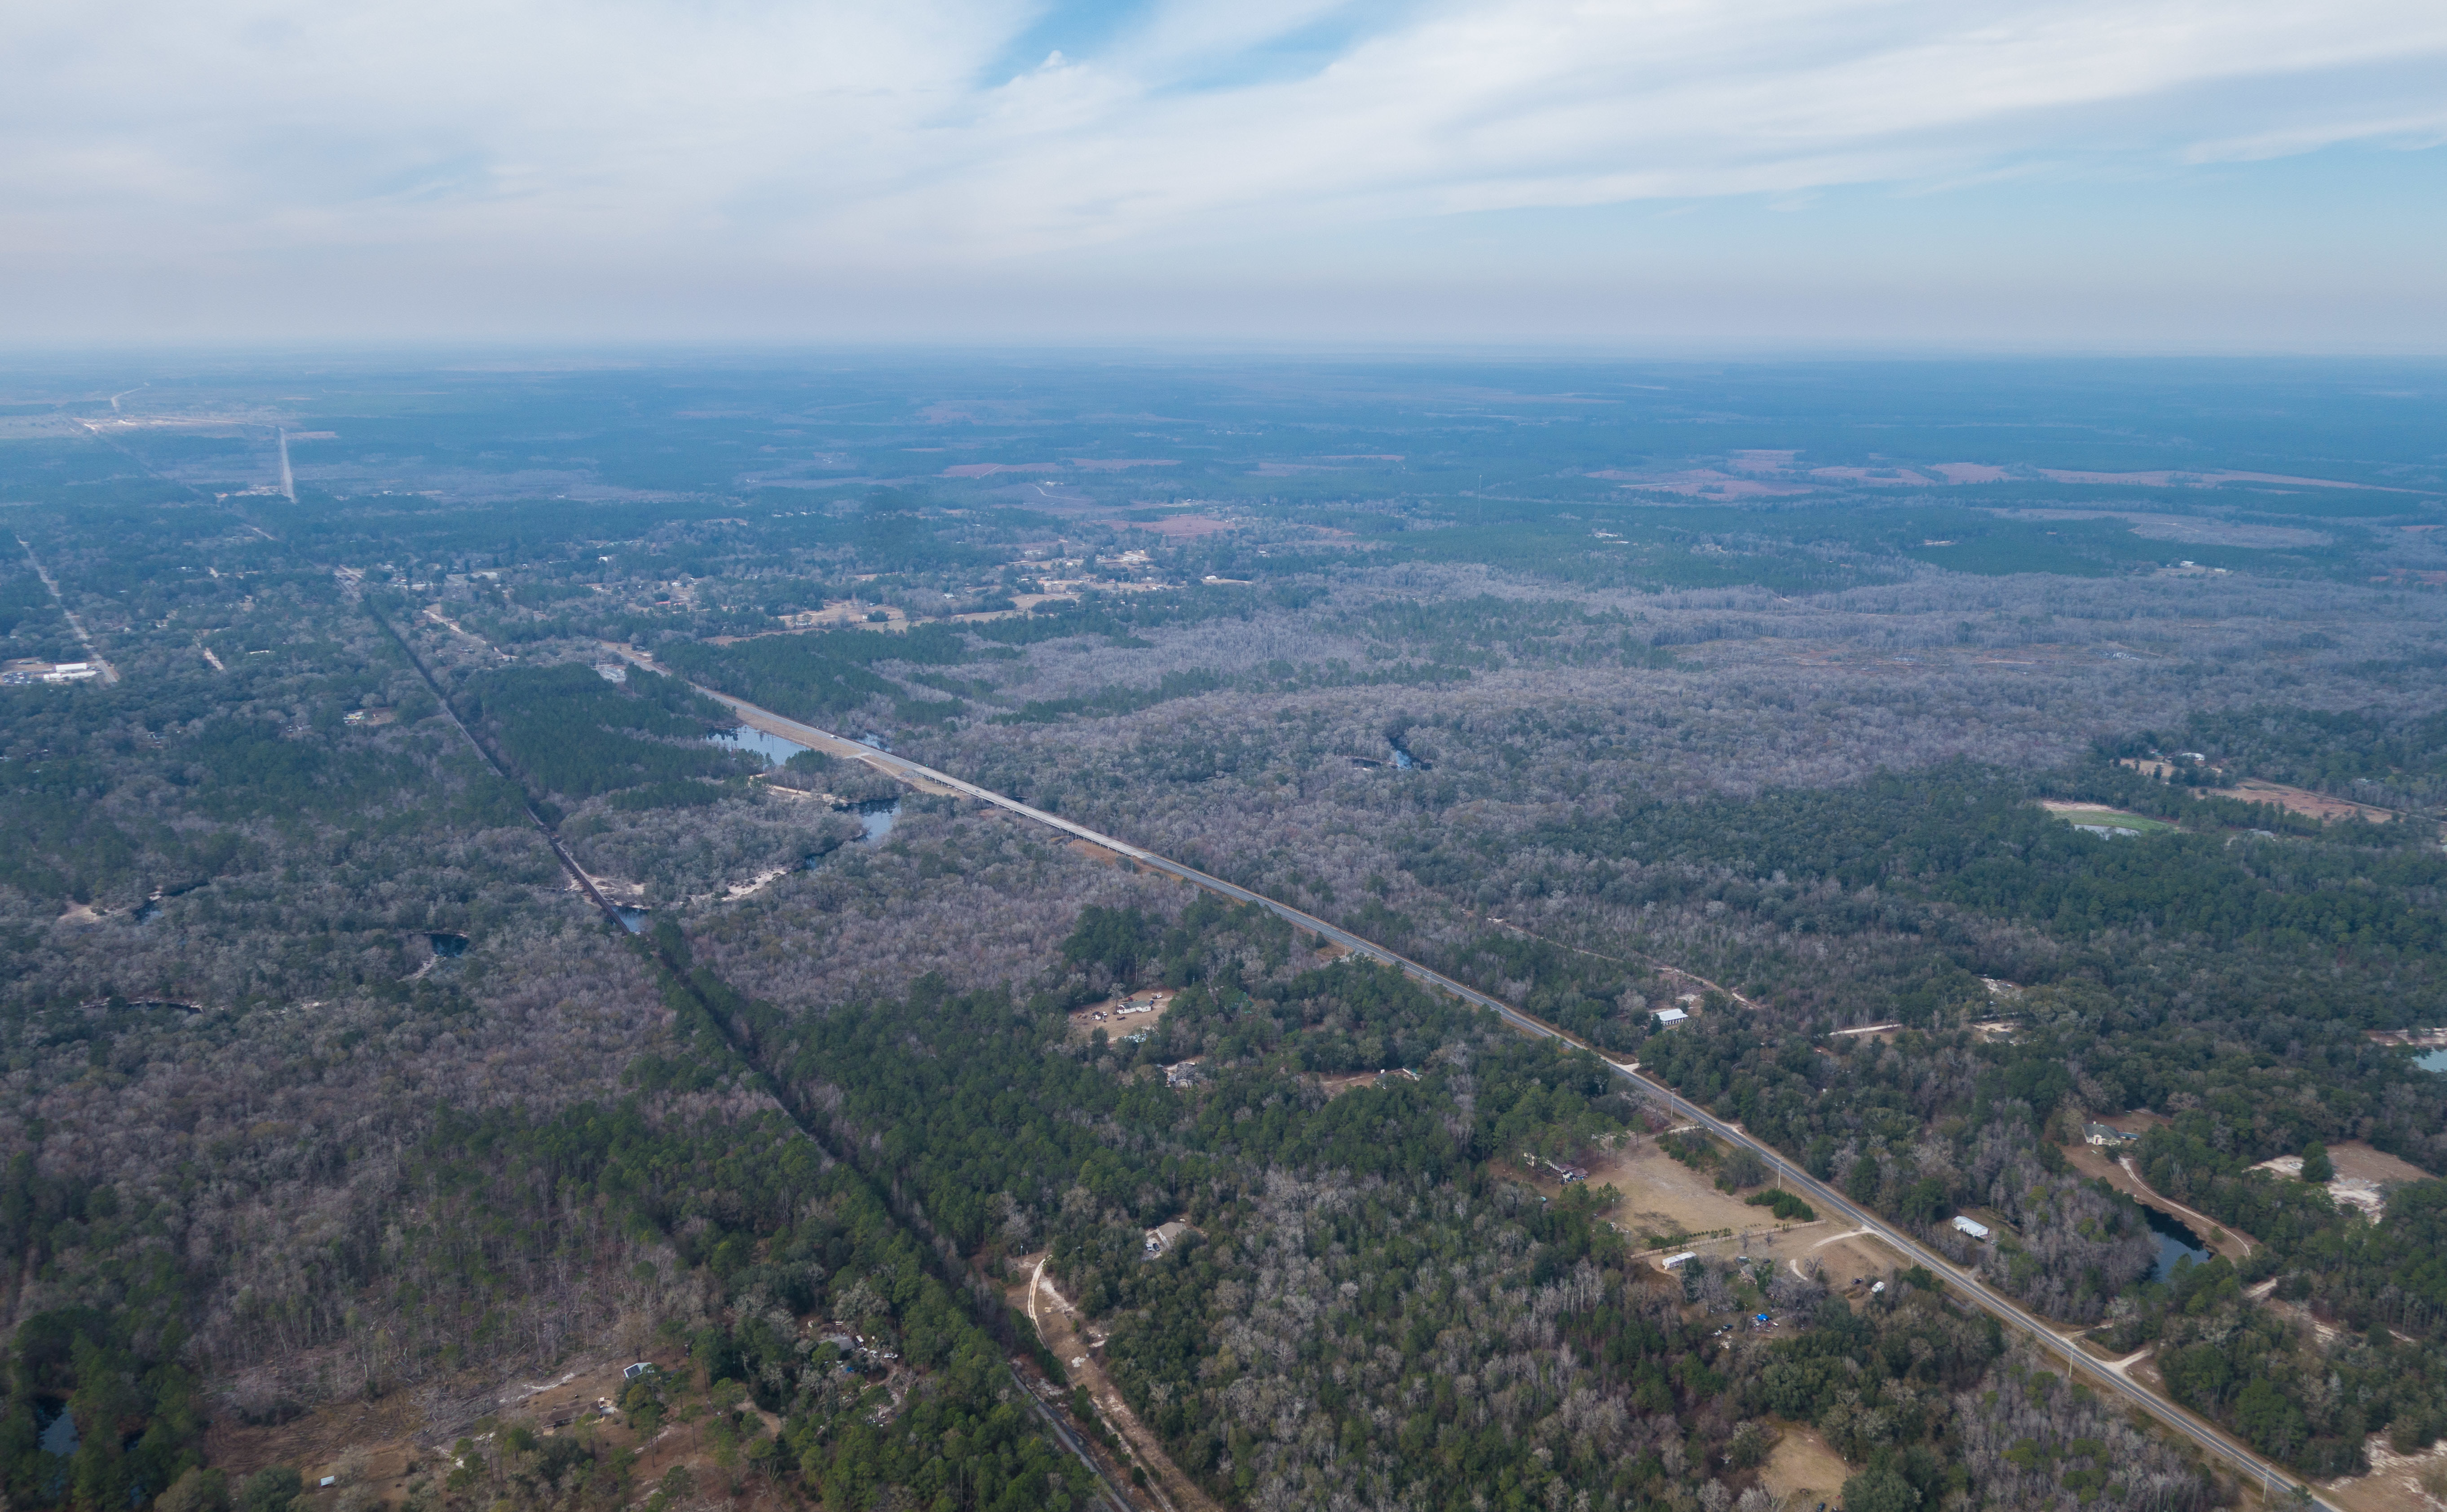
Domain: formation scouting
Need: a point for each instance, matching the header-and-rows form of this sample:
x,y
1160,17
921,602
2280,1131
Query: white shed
x,y
1669,1015
1675,1263
1978,1231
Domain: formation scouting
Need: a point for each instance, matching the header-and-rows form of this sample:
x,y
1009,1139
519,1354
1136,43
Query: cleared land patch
x,y
2300,801
1663,1198
2095,818
1080,1347
1118,1016
1801,1468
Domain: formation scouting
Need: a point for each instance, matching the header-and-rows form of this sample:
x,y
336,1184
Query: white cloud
x,y
720,133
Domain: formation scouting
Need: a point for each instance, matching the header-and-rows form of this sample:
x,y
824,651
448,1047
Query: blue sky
x,y
2152,174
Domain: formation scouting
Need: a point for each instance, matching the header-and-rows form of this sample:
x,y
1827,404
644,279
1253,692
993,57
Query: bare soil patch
x,y
1121,1016
2301,801
1843,1255
2355,1159
1336,1085
1802,1468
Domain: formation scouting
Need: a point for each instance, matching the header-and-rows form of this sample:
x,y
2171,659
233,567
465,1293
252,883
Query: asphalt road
x,y
2210,1439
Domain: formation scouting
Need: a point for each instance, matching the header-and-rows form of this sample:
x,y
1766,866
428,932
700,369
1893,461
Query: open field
x,y
2092,816
1802,1469
1663,1197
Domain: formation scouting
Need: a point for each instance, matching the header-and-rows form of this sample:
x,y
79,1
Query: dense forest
x,y
1917,831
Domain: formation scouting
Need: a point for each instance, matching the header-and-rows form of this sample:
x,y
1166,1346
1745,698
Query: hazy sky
x,y
2190,173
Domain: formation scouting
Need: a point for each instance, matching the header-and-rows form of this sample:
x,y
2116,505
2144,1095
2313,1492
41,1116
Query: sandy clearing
x,y
2393,1484
2357,1159
2362,1175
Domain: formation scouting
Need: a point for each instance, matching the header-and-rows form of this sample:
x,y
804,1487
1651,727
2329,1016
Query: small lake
x,y
772,748
633,920
449,947
2175,1241
2431,1060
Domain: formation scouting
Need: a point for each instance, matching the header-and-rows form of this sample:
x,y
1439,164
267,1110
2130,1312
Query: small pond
x,y
2431,1060
55,1431
875,821
449,947
1403,757
633,920
772,748
2175,1241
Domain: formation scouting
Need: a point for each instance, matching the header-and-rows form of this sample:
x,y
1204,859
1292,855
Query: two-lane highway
x,y
2210,1439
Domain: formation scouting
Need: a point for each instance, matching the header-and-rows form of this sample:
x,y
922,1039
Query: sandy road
x,y
109,673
